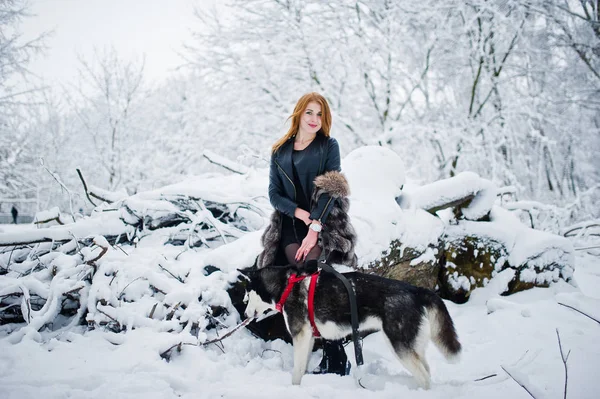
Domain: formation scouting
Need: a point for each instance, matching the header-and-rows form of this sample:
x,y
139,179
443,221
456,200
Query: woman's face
x,y
310,122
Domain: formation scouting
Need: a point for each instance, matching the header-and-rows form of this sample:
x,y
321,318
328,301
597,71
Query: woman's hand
x,y
302,215
307,244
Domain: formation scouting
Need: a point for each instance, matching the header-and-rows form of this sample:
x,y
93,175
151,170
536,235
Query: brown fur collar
x,y
334,183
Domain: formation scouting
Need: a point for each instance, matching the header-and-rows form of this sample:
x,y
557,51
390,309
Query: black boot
x,y
334,359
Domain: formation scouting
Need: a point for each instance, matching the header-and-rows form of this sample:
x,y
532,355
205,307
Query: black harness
x,y
353,308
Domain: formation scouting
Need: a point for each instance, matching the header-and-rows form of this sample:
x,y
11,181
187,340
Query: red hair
x,y
299,109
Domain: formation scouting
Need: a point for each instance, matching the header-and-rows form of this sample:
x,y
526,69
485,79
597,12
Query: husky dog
x,y
409,316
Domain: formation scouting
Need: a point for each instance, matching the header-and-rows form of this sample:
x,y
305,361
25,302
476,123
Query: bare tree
x,y
16,146
109,95
15,54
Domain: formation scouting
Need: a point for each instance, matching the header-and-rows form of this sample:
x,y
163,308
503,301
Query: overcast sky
x,y
134,27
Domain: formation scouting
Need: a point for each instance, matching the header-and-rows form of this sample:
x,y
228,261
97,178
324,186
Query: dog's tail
x,y
443,333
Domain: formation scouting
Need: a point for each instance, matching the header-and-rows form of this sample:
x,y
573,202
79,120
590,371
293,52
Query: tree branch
x,y
166,355
577,310
518,382
87,194
242,324
225,163
101,254
564,360
174,276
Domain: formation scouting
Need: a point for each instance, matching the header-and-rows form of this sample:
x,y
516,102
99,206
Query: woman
x,y
309,195
308,192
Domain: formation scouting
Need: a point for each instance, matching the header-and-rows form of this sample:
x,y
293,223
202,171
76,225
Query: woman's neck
x,y
302,137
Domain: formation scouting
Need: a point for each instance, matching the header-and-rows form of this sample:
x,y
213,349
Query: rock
x,y
476,251
420,268
540,258
470,253
469,263
517,285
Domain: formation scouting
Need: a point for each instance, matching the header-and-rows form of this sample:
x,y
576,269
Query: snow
x,y
374,171
104,224
107,195
49,214
459,282
447,190
528,249
427,256
225,162
420,229
231,188
516,332
376,176
519,334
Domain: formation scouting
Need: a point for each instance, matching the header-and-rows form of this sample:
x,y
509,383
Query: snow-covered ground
x,y
516,333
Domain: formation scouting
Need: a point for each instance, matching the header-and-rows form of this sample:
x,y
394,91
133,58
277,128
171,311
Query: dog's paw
x,y
296,380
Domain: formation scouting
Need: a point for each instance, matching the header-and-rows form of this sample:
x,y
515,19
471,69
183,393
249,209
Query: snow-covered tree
x,y
108,103
16,146
492,87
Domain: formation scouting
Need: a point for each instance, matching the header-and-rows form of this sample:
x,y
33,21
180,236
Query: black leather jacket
x,y
323,156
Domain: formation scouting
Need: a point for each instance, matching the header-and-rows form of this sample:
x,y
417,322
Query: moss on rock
x,y
469,263
396,264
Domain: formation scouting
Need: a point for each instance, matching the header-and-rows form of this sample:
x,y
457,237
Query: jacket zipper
x,y
295,195
285,174
321,159
319,173
324,209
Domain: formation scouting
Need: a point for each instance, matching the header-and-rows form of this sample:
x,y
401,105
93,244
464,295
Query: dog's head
x,y
259,298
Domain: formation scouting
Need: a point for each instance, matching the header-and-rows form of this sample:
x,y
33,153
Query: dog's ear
x,y
248,272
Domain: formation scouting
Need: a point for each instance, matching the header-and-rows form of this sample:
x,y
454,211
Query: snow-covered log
x,y
51,215
471,195
105,195
106,224
224,162
477,252
583,229
74,273
427,245
99,193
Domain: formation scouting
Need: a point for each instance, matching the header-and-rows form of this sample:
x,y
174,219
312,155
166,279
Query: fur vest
x,y
338,237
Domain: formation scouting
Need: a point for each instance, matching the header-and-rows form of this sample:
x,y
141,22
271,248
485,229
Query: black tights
x,y
290,254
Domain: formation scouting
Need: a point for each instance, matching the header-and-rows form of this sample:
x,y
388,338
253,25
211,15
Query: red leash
x,y
311,297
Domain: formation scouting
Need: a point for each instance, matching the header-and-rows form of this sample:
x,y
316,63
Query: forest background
x,y
507,89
